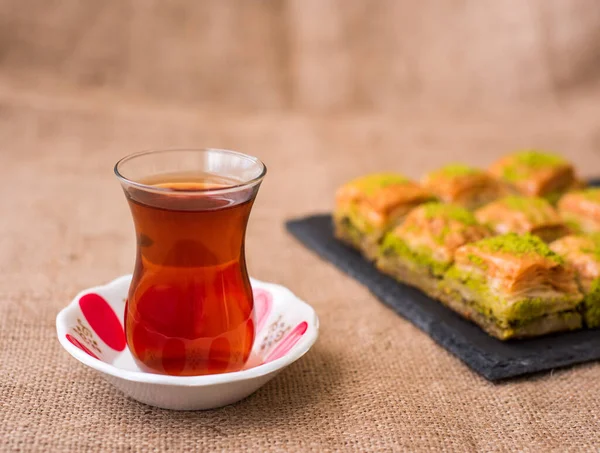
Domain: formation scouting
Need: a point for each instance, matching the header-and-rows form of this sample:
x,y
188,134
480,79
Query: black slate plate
x,y
493,359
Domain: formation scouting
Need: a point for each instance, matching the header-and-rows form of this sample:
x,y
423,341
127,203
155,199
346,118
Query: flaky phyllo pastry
x,y
581,210
513,286
535,173
583,254
520,214
464,185
419,250
367,207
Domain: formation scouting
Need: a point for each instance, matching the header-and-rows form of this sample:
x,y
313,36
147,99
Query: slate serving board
x,y
491,358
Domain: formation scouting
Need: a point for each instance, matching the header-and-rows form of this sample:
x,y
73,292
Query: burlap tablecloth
x,y
83,83
373,382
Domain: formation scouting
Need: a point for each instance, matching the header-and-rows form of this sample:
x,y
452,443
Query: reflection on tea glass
x,y
190,307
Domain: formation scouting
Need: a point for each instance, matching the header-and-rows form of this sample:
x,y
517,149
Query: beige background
x,y
318,55
322,91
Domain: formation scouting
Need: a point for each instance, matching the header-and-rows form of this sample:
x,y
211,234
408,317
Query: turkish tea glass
x,y
190,308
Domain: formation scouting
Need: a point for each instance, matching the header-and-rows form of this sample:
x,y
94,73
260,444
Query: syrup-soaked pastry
x,y
536,173
581,210
513,286
367,207
464,185
583,254
418,251
520,214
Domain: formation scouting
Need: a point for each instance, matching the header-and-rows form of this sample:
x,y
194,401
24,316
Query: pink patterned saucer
x,y
90,328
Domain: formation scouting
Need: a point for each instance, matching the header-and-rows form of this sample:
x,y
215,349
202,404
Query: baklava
x,y
583,254
419,251
535,173
513,286
520,214
464,185
581,210
368,207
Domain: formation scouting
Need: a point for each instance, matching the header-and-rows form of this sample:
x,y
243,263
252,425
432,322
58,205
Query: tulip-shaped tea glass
x,y
190,307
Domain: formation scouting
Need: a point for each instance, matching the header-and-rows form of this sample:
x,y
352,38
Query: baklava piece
x,y
583,254
367,207
581,210
513,286
464,185
519,214
535,173
421,249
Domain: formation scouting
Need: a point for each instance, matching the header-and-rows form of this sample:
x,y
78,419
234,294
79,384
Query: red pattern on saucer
x,y
81,346
103,320
105,323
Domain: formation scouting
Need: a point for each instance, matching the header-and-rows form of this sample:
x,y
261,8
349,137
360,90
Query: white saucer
x,y
90,328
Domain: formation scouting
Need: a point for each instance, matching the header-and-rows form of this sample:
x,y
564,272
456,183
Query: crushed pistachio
x,y
524,163
371,183
444,214
477,261
572,222
518,245
591,305
532,307
350,231
592,248
570,317
454,170
525,204
474,281
477,285
538,159
590,194
536,209
358,220
422,257
449,211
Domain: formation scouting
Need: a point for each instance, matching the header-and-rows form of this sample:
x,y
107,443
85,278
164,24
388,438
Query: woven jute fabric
x,y
322,91
321,55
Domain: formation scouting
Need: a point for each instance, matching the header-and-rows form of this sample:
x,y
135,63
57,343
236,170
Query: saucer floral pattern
x,y
274,338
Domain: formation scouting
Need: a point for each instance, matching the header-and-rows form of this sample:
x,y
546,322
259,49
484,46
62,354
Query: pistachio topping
x,y
524,163
449,211
454,170
371,183
518,245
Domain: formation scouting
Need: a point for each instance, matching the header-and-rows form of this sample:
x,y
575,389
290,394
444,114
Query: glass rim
x,y
165,190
